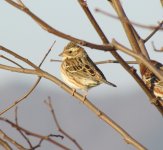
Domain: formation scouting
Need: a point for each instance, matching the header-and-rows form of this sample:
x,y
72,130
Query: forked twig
x,y
49,104
35,84
42,137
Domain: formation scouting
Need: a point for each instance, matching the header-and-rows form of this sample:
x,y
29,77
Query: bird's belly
x,y
158,92
78,82
68,81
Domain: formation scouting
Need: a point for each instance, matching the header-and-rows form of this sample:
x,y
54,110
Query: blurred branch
x,y
49,104
115,61
98,10
139,57
161,2
128,28
102,62
146,62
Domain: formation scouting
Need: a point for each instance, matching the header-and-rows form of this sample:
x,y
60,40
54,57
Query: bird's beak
x,y
61,54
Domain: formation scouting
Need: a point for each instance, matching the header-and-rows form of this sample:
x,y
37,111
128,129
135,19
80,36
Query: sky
x,y
126,104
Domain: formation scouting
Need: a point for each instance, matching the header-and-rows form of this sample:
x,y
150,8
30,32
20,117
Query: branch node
x,y
133,69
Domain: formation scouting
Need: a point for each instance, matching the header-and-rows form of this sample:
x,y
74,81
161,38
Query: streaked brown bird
x,y
78,70
150,79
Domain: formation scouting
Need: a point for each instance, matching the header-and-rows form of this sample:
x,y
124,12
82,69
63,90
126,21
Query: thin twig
x,y
49,104
23,135
22,98
18,56
154,31
4,57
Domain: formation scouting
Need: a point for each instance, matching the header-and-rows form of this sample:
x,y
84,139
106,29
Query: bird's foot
x,y
74,90
84,97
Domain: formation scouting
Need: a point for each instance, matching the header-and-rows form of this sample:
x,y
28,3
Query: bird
x,y
151,80
78,70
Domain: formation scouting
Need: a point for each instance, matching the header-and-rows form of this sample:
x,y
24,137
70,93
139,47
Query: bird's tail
x,y
109,83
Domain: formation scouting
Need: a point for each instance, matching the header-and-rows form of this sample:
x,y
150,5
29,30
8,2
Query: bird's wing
x,y
85,68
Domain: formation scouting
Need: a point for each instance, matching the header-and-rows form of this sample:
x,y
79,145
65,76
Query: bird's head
x,y
72,50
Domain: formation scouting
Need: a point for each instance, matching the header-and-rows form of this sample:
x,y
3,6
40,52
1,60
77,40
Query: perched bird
x,y
151,80
78,70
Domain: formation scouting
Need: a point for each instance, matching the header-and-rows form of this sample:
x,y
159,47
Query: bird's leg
x,y
85,96
73,91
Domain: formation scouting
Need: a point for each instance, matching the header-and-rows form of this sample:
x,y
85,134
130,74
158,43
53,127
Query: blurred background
x,y
126,104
